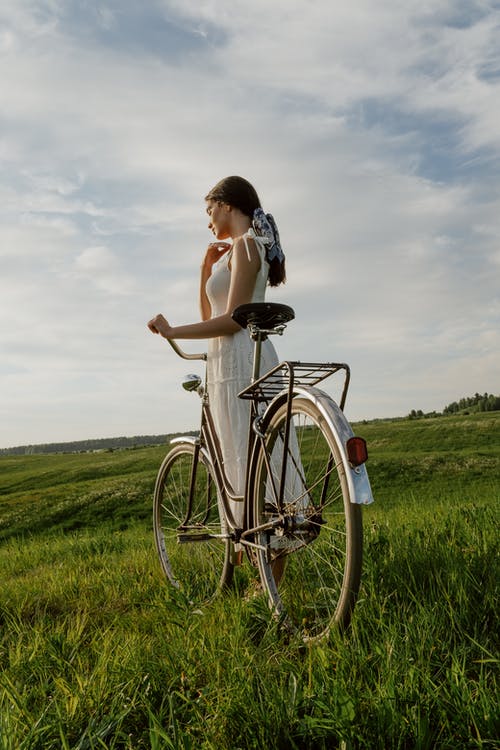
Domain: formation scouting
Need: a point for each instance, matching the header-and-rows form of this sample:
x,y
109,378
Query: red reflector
x,y
357,451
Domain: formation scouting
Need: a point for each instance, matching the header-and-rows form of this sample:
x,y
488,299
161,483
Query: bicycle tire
x,y
193,546
310,564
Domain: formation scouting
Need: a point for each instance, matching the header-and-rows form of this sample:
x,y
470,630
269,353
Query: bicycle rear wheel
x,y
192,541
310,558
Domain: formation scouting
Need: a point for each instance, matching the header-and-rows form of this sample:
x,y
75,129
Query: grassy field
x,y
97,652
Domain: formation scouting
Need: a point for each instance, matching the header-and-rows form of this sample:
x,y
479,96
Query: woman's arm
x,y
243,275
214,251
205,306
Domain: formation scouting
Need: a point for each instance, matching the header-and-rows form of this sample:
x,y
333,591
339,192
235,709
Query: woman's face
x,y
219,214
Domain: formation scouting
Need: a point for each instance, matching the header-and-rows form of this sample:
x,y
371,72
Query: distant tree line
x,y
87,446
476,403
419,414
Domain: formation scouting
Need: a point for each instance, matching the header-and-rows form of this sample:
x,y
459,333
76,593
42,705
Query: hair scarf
x,y
265,227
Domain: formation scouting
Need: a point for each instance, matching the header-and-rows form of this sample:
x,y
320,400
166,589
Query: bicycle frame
x,y
208,442
280,383
297,516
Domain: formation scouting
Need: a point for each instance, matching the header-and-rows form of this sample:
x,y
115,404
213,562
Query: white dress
x,y
229,369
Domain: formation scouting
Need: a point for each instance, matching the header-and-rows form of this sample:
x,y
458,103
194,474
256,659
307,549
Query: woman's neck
x,y
240,223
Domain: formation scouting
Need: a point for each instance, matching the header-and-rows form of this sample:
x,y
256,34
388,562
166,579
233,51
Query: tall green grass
x,y
96,651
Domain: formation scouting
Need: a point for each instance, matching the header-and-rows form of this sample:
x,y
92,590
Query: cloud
x,y
371,135
101,267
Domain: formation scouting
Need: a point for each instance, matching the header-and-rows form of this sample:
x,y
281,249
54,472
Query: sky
x,y
371,132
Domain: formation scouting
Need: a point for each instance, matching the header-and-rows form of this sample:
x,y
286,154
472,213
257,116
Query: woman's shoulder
x,y
252,245
245,247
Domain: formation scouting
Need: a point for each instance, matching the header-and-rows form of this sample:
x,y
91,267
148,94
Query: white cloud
x,y
101,267
370,133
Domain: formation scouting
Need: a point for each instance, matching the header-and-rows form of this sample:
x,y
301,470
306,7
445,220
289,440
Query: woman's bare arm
x,y
243,275
214,251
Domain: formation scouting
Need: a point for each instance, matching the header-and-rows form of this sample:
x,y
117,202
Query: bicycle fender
x,y
357,476
192,440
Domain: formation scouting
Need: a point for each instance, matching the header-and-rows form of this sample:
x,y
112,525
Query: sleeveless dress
x,y
229,369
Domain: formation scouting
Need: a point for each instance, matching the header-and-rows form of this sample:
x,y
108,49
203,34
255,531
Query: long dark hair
x,y
239,193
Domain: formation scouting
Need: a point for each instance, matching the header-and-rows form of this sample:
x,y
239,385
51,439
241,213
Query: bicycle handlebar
x,y
181,353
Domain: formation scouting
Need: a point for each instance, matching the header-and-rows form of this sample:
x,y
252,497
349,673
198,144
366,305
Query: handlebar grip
x,y
181,353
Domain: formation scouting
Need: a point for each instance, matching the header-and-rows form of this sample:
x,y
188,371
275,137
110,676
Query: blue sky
x,y
371,133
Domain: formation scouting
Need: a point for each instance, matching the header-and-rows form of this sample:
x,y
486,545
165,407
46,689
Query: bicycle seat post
x,y
258,337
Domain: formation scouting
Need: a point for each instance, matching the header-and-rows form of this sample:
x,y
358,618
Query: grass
x,y
97,652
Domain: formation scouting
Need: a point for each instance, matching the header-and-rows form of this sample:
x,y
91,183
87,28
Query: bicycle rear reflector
x,y
357,451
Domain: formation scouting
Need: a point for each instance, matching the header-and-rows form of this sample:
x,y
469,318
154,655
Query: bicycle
x,y
305,483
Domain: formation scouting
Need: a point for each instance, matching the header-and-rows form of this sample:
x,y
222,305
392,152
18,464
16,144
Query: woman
x,y
232,274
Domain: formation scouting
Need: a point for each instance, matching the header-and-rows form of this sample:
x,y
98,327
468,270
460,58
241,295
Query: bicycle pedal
x,y
193,537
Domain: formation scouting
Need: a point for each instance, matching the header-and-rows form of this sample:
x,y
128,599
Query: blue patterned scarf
x,y
265,227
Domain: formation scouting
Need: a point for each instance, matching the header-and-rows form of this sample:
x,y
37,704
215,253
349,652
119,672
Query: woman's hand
x,y
160,325
214,251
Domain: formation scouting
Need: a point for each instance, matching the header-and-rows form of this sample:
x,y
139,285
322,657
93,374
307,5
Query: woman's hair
x,y
239,193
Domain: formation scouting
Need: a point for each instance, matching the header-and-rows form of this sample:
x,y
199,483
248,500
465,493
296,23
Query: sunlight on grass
x,y
97,651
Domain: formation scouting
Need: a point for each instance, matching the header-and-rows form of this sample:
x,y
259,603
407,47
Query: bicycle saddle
x,y
263,315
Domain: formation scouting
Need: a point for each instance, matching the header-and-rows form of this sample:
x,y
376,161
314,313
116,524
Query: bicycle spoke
x,y
317,526
192,543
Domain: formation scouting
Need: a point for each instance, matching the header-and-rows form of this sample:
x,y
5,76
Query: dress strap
x,y
259,241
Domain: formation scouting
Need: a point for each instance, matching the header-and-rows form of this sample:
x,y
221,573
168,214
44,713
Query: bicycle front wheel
x,y
192,541
309,548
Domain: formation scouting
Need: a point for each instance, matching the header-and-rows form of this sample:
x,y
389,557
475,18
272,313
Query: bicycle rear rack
x,y
288,375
